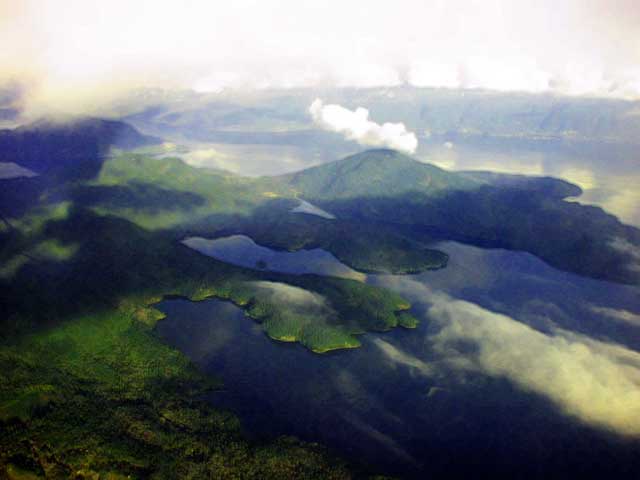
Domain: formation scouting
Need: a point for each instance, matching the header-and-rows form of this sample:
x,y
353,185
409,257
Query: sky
x,y
71,54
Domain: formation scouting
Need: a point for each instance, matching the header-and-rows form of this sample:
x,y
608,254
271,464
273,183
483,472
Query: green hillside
x,y
515,212
83,261
87,389
376,173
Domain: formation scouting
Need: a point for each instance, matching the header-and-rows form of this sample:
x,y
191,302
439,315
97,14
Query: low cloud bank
x,y
294,298
70,59
355,125
629,249
595,381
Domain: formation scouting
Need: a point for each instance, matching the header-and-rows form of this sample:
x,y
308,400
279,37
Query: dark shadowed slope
x,y
47,145
485,209
59,152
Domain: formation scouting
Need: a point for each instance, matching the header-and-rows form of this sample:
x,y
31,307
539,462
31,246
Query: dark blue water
x,y
413,403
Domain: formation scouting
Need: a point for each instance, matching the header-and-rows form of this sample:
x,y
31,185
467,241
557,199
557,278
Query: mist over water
x,y
606,172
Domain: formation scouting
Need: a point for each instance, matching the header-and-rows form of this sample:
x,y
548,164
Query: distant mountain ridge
x,y
452,113
388,173
45,145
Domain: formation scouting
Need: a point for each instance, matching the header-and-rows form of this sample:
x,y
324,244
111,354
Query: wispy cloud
x,y
294,297
595,381
355,125
632,251
397,356
619,315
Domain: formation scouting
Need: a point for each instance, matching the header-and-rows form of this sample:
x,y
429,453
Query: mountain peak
x,y
377,154
374,173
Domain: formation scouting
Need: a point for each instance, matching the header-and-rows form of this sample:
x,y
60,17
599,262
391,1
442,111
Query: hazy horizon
x,y
74,56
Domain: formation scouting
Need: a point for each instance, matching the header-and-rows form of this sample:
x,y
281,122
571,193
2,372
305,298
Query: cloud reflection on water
x,y
595,381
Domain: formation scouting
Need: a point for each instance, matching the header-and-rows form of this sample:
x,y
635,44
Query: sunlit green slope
x,y
86,388
490,210
376,173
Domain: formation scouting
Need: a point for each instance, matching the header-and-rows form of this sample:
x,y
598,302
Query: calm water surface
x,y
406,402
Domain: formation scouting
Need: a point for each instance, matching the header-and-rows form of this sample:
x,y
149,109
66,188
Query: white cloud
x,y
365,75
620,315
12,170
397,356
310,209
76,54
294,297
595,381
505,74
424,74
355,125
209,158
629,249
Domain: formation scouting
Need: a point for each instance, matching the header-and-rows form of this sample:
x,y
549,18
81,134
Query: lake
x,y
514,363
608,173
